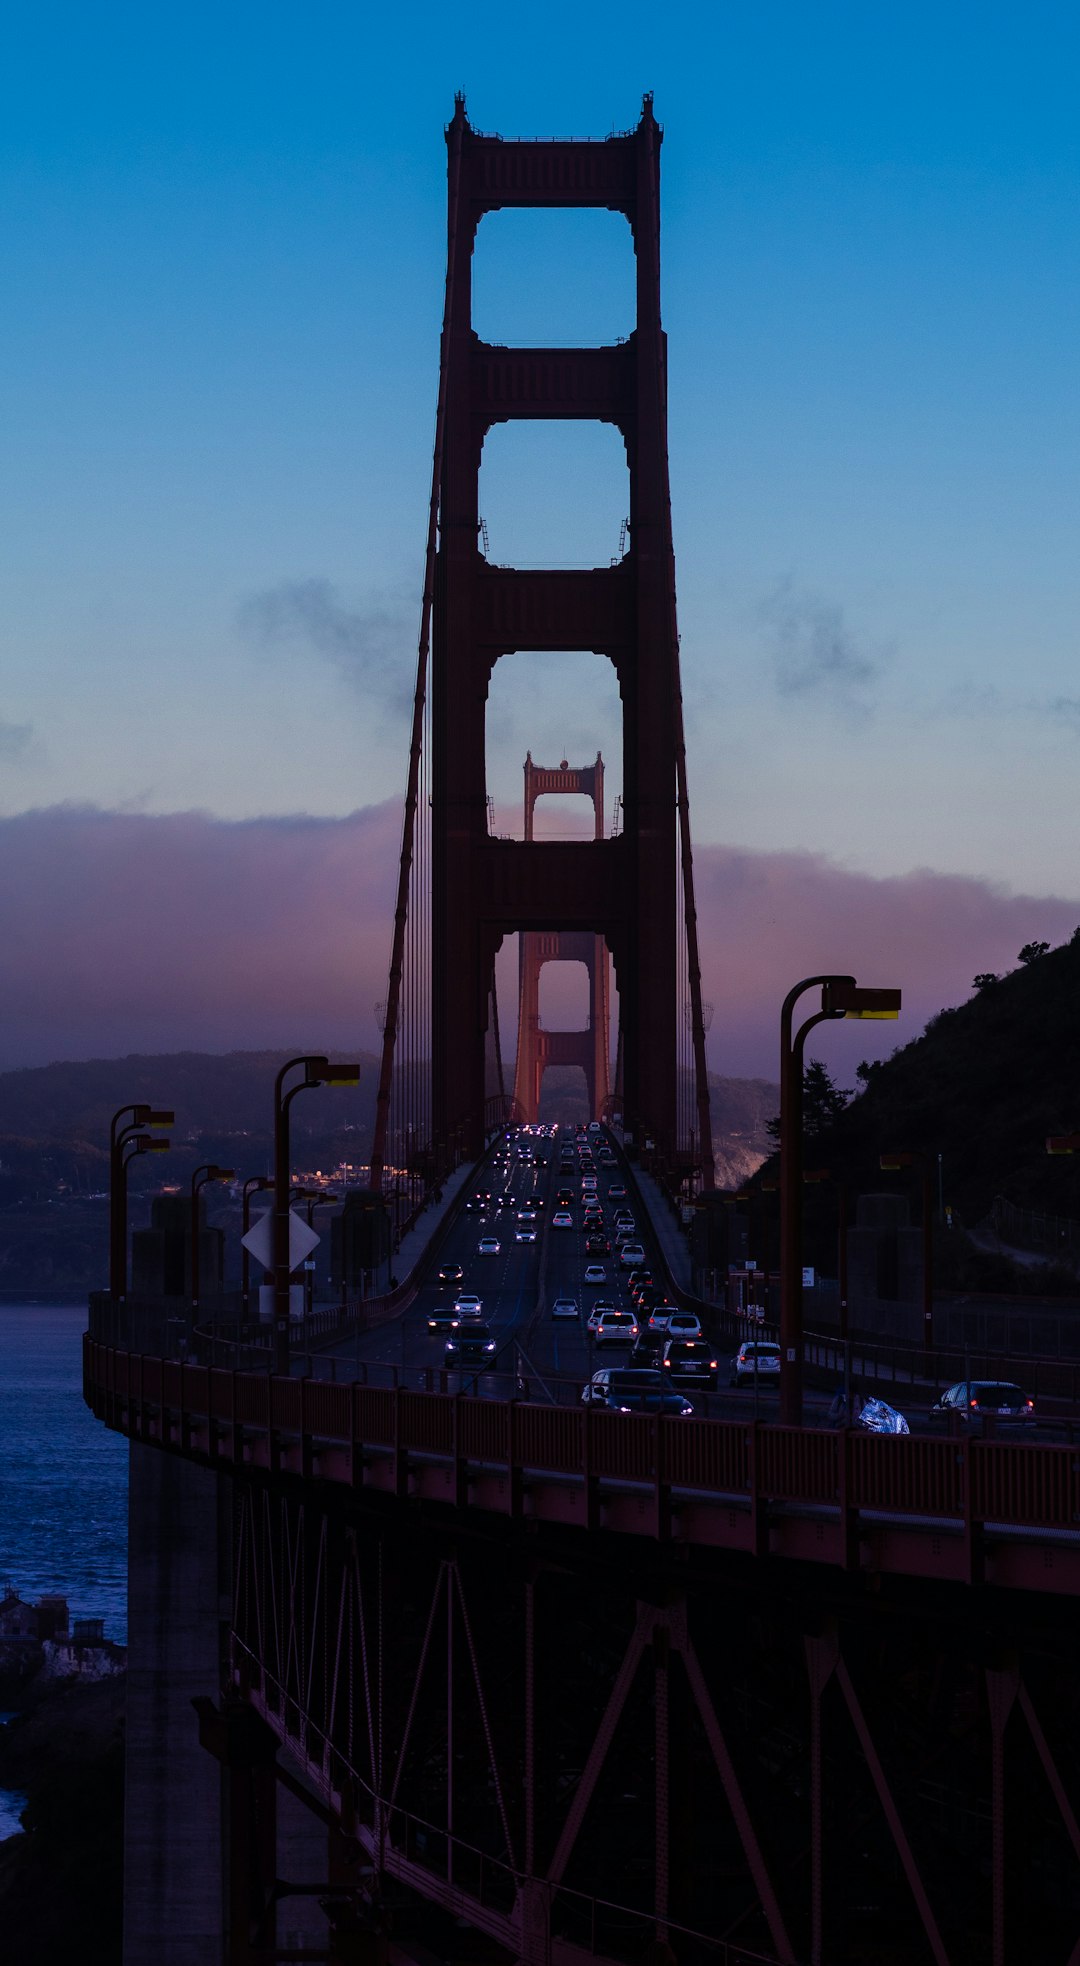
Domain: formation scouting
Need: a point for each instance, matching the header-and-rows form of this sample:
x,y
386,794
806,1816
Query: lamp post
x,y
209,1171
310,1199
317,1071
130,1145
891,1164
813,1179
125,1122
841,996
255,1184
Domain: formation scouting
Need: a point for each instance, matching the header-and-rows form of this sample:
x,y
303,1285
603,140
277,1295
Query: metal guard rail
x,y
337,1429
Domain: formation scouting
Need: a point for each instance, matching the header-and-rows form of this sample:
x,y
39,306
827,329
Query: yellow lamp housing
x,y
850,1000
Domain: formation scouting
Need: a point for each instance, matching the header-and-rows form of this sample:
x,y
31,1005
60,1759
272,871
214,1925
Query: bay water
x,y
63,1476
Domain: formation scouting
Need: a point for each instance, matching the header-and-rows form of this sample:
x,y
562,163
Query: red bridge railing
x,y
695,1470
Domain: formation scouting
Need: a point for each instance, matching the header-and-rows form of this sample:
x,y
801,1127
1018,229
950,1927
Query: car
x,y
601,1305
523,1233
634,1391
505,1201
565,1198
666,1401
476,1203
474,1346
684,1324
469,1305
565,1307
757,1359
562,1219
622,1378
442,1317
661,1314
589,1184
648,1347
537,1201
691,1360
526,1214
972,1401
595,1273
597,1245
488,1246
616,1191
616,1328
630,1255
451,1273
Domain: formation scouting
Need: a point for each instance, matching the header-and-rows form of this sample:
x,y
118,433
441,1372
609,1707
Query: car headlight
x,y
489,1347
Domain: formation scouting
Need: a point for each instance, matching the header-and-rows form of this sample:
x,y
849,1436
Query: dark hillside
x,y
984,1087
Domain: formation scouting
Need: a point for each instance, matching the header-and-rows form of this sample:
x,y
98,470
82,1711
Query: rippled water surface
x,y
63,1476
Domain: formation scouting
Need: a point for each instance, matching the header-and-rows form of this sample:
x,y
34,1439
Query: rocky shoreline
x,y
61,1879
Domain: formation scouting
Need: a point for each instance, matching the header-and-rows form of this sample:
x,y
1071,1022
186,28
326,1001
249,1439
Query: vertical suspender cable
x,y
393,996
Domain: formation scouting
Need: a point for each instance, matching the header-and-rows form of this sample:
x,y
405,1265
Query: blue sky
x,y
223,230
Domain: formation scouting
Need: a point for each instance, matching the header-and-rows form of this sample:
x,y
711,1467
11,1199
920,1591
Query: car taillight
x,y
973,1404
666,1362
1029,1403
712,1365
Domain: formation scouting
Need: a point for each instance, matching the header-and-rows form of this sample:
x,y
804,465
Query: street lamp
x,y
255,1184
209,1171
125,1122
841,996
317,1071
891,1164
310,1199
814,1178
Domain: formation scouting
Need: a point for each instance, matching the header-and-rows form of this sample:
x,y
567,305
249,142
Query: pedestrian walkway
x,y
666,1226
415,1245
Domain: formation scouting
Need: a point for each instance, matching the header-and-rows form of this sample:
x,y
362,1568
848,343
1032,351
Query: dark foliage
x,y
983,1088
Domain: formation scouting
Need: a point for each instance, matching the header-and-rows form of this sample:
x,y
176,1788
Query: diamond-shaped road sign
x,y
259,1241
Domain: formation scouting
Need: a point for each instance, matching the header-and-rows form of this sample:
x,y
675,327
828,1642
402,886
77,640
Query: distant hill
x,y
54,1119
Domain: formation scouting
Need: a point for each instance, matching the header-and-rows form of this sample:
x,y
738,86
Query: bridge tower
x,y
538,1048
624,890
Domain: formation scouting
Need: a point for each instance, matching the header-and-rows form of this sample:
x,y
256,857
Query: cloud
x,y
132,932
369,647
127,931
1065,710
814,653
15,740
767,919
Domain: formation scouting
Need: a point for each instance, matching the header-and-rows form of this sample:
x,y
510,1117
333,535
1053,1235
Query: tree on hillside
x,y
1031,952
823,1103
985,980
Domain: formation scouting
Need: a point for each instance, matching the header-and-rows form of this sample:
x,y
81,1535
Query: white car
x,y
602,1305
525,1234
596,1273
488,1246
562,1220
683,1324
616,1328
757,1359
469,1305
565,1307
631,1254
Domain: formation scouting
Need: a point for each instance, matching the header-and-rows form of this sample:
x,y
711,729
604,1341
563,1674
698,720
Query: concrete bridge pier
x,y
178,1529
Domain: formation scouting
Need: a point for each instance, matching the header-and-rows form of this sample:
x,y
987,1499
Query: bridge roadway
x,y
765,1550
541,1359
959,1511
